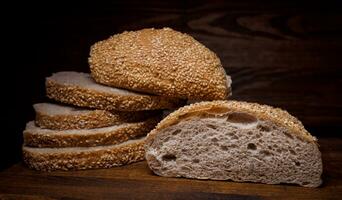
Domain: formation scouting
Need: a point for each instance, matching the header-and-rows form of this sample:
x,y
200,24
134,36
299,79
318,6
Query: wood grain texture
x,y
136,181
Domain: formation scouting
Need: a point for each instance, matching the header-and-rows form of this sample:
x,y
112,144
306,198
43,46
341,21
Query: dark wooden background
x,y
283,53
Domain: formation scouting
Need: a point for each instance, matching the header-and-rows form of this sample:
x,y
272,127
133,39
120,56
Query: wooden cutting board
x,y
136,181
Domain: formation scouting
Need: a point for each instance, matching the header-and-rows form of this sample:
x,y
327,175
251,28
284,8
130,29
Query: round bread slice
x,y
78,158
159,61
38,137
80,89
62,117
238,141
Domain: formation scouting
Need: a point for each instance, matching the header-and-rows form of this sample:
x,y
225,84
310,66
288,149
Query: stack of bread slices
x,y
101,119
93,126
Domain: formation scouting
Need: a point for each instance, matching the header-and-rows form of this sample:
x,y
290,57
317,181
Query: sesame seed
x,y
159,61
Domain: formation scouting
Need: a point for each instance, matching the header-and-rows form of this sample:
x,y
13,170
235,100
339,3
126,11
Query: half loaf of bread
x,y
62,117
80,89
37,137
76,158
231,140
159,61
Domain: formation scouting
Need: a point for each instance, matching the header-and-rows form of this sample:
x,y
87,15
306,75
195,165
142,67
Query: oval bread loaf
x,y
159,61
231,140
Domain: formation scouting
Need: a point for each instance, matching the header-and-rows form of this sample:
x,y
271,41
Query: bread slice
x,y
231,140
61,117
38,137
159,61
79,89
77,158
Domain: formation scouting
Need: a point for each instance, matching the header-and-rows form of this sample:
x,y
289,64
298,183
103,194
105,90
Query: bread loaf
x,y
238,141
159,61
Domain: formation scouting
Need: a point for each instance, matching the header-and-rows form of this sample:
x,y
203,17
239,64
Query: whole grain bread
x,y
62,117
159,61
38,137
80,89
77,158
231,140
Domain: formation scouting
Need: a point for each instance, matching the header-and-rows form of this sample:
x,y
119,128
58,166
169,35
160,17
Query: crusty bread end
x,y
231,140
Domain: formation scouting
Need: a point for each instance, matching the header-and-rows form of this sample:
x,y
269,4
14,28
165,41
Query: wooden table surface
x,y
286,54
136,181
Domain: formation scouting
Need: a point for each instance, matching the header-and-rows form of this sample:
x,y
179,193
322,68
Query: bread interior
x,y
234,146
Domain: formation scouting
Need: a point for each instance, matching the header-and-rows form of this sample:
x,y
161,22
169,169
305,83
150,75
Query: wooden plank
x,y
138,182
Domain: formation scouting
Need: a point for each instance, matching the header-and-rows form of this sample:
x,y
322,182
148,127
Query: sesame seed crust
x,y
220,108
36,137
92,158
159,61
89,119
92,98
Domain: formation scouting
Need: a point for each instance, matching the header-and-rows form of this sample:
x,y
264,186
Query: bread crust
x,y
88,120
109,156
159,61
85,138
83,97
216,108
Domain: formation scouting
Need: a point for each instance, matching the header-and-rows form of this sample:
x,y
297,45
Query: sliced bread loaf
x,y
38,137
231,140
80,89
61,117
76,158
159,61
